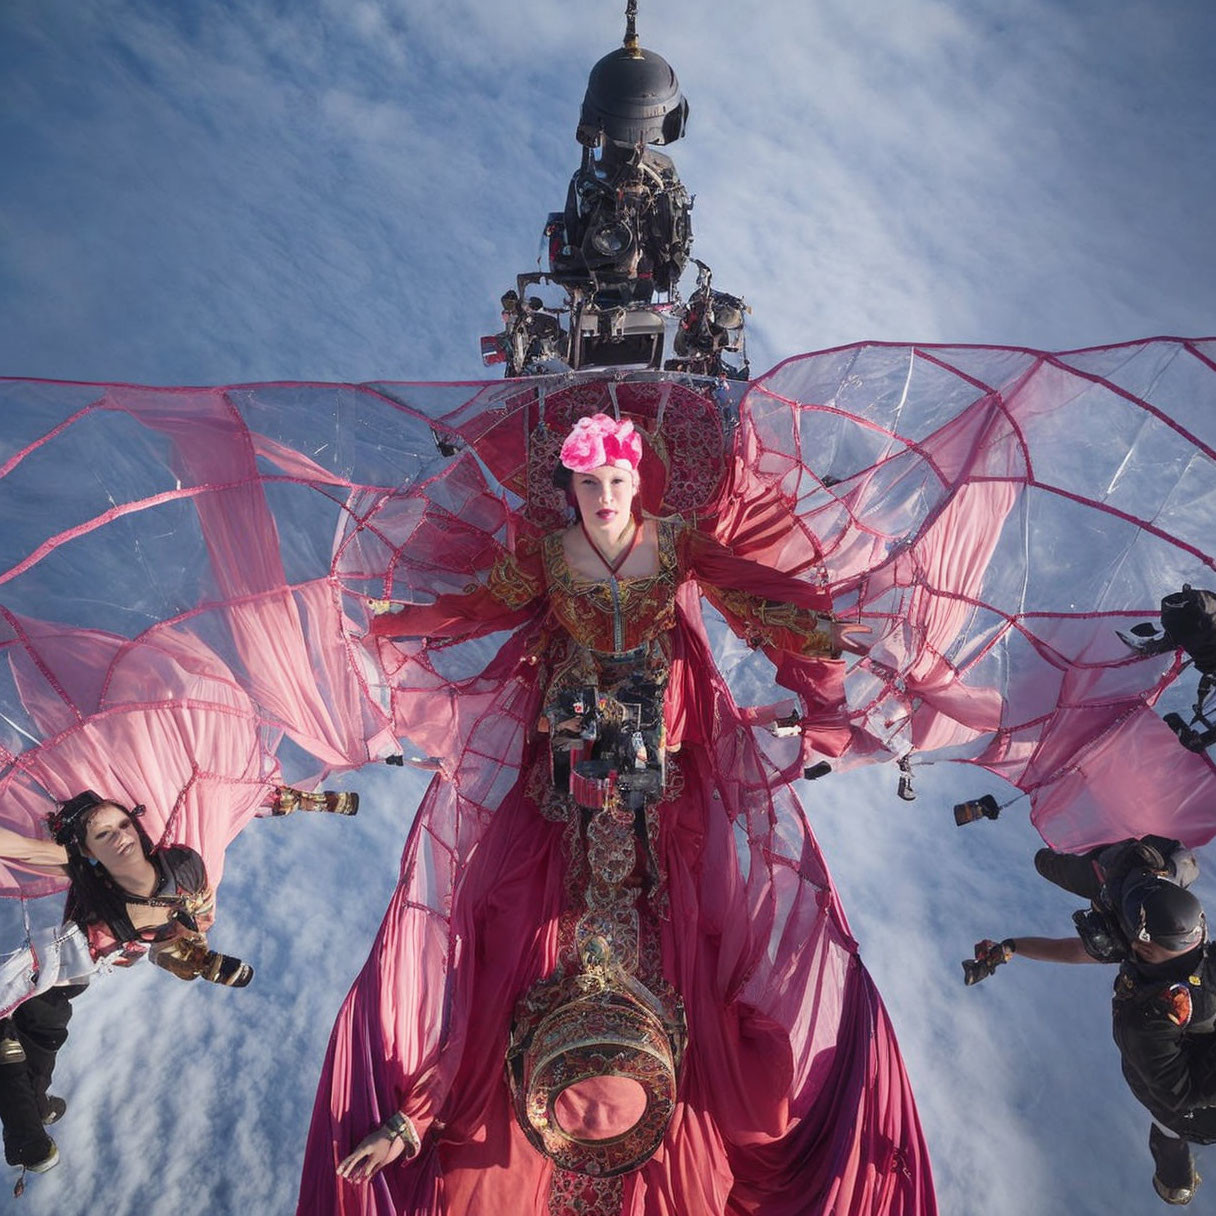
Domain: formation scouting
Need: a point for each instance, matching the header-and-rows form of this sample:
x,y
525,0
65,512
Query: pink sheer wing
x,y
155,648
183,603
995,515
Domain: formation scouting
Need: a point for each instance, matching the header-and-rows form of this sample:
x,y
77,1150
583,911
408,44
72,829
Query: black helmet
x,y
1164,913
632,97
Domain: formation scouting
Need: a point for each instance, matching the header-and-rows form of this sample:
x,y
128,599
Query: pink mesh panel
x,y
183,609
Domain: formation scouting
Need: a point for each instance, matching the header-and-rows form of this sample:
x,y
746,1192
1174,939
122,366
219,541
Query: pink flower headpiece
x,y
601,440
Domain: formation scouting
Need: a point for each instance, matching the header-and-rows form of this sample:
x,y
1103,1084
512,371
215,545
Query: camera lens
x,y
612,239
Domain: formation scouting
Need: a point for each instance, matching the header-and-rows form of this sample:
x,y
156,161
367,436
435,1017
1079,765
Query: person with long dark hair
x,y
130,896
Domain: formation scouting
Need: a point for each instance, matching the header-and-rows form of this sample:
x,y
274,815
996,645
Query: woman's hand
x,y
846,633
376,1151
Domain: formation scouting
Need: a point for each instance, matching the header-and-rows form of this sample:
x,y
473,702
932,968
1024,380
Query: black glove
x,y
989,955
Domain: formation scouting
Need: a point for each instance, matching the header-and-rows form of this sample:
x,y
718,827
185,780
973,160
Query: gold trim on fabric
x,y
588,608
510,584
761,618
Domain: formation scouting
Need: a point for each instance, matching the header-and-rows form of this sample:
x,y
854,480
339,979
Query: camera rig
x,y
1101,934
619,246
605,746
1192,739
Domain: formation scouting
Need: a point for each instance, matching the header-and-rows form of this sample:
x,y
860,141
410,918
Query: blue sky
x,y
340,191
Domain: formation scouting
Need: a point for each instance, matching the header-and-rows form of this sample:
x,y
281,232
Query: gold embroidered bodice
x,y
613,615
620,616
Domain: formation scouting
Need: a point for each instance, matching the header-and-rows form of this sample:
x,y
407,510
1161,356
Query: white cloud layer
x,y
340,191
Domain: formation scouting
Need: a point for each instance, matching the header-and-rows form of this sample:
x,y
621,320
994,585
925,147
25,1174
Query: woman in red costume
x,y
613,892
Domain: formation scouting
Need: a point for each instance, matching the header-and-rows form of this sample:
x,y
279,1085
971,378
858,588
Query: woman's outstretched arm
x,y
771,609
507,599
41,856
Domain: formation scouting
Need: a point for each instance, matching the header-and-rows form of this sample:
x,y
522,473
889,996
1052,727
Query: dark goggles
x,y
1183,939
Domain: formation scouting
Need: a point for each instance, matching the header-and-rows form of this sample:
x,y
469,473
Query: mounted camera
x,y
1100,934
618,247
604,745
1190,738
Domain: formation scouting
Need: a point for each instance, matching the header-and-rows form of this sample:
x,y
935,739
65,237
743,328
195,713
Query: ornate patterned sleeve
x,y
508,597
190,874
772,611
791,621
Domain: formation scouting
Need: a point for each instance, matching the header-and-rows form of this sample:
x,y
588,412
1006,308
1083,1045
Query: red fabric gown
x,y
994,514
793,1098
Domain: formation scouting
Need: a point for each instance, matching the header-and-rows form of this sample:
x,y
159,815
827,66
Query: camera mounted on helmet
x,y
1100,934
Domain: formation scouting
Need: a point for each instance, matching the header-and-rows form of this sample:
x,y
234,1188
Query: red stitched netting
x,y
183,601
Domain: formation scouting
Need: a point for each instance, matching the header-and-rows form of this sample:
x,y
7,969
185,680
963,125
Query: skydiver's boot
x,y
26,1144
336,802
1176,1180
48,1162
45,1161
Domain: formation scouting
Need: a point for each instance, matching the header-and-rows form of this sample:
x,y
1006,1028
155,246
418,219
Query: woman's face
x,y
111,837
605,497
